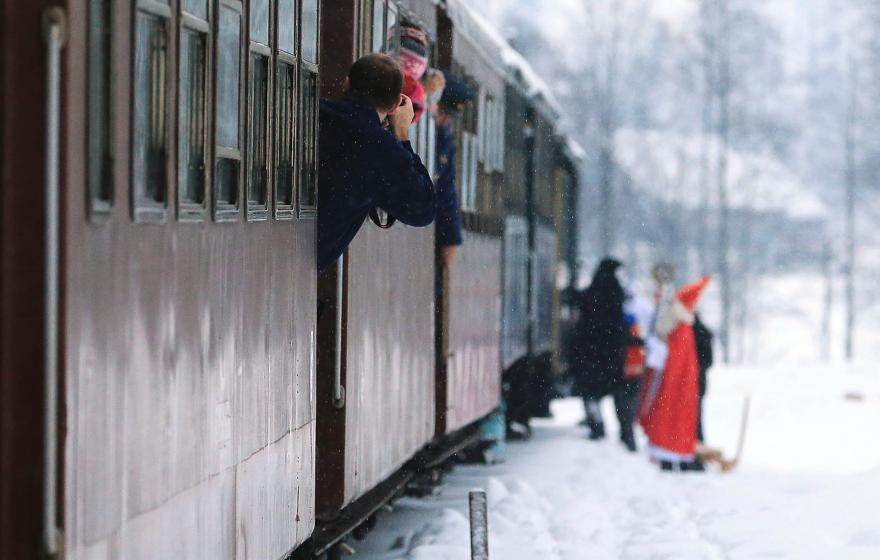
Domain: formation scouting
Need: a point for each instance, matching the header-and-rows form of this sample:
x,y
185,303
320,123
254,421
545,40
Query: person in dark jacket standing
x,y
703,339
600,343
456,94
366,160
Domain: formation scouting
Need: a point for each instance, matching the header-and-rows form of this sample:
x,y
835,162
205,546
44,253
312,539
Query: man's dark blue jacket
x,y
363,166
448,229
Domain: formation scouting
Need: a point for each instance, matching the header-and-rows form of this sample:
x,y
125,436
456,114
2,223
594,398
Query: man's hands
x,y
401,118
447,254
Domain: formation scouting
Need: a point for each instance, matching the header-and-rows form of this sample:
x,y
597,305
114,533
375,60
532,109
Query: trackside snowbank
x,y
808,487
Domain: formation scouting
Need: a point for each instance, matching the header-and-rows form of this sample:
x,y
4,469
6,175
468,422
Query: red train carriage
x,y
159,330
376,374
186,274
468,368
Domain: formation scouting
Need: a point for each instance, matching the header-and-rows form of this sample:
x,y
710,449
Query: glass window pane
x,y
99,102
228,75
198,8
378,25
149,138
392,37
310,30
191,123
226,182
258,144
285,147
287,26
309,166
260,21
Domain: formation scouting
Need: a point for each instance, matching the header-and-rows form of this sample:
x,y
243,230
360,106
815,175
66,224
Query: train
x,y
169,389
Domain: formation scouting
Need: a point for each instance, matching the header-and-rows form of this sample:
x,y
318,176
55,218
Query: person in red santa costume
x,y
670,417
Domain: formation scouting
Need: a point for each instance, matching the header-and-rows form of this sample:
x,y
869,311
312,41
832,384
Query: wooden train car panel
x,y
188,347
544,292
515,291
388,305
473,380
389,379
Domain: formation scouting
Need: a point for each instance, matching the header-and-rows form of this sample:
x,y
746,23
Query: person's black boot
x,y
628,438
597,430
693,466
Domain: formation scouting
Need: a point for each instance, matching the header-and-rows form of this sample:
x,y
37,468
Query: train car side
x,y
190,285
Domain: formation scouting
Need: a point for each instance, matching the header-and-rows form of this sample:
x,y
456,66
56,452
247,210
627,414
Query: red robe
x,y
671,423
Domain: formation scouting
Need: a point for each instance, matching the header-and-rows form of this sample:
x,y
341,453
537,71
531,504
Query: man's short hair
x,y
377,78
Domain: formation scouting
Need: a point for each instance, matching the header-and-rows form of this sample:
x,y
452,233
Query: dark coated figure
x,y
366,158
703,339
601,340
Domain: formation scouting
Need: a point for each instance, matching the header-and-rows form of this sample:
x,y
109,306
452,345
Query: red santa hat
x,y
690,294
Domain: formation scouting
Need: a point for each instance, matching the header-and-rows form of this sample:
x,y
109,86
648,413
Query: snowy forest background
x,y
730,137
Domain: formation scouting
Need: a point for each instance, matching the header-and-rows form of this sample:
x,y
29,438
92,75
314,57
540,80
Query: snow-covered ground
x,y
808,485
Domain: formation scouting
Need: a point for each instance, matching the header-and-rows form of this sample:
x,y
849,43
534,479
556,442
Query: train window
x,y
149,125
287,20
308,186
197,8
482,124
392,34
379,26
258,142
499,136
260,21
192,124
464,182
100,159
228,113
285,143
310,31
431,162
259,104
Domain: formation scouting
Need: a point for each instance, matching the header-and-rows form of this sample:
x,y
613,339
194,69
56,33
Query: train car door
x,y
32,50
375,361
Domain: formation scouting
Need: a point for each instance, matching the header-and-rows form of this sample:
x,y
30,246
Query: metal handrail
x,y
54,35
338,389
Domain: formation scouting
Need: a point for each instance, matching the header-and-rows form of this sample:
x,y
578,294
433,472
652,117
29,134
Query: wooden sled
x,y
712,455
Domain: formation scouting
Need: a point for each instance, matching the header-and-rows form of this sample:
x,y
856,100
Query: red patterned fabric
x,y
414,90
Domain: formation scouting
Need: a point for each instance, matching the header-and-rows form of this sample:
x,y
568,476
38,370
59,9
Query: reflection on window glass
x,y
197,8
392,37
310,30
228,75
258,144
226,173
226,182
99,102
148,165
191,122
378,25
260,21
285,147
309,174
287,26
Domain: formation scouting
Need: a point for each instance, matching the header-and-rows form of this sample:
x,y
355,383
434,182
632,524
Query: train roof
x,y
516,70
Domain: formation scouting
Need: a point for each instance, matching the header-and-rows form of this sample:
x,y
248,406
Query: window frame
x,y
147,210
187,210
223,211
259,212
286,210
100,116
307,70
